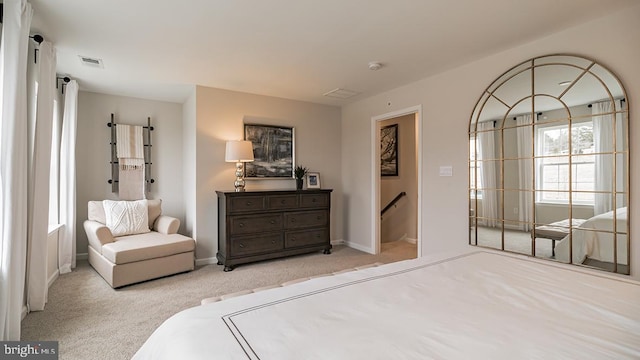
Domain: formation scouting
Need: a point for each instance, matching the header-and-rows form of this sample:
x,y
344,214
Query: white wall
x,y
189,166
219,117
448,100
93,152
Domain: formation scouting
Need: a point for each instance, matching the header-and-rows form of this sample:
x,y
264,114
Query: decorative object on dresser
x,y
273,148
299,172
239,152
260,225
313,180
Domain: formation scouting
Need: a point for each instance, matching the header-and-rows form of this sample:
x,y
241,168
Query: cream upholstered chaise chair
x,y
152,249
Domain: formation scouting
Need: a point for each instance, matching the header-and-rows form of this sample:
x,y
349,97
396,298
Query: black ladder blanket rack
x,y
115,171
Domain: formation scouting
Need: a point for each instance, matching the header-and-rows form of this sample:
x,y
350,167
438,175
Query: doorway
x,y
396,179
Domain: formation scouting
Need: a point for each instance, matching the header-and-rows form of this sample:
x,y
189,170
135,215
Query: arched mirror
x,y
549,164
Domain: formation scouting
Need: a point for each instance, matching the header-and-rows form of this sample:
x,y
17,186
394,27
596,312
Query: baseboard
x,y
53,278
404,237
410,240
512,227
207,261
338,242
359,247
83,256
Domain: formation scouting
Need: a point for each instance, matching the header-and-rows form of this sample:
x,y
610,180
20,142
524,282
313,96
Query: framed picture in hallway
x,y
273,149
389,150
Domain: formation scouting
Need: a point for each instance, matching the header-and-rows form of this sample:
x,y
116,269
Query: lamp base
x,y
239,183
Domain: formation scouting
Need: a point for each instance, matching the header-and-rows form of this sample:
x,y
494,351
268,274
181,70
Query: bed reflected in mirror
x,y
548,164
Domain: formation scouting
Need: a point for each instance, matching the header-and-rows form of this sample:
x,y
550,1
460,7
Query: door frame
x,y
375,172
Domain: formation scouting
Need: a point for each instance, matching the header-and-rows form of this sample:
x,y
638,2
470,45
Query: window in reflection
x,y
475,169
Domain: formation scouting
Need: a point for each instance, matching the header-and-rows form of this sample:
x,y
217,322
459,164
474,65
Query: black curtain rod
x,y
515,117
65,81
39,39
623,99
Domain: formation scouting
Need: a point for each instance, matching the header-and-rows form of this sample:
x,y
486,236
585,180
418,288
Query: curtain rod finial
x,y
37,38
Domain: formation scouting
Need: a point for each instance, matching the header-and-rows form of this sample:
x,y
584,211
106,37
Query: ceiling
x,y
158,49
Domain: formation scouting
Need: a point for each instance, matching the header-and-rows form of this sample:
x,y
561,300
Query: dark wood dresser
x,y
260,225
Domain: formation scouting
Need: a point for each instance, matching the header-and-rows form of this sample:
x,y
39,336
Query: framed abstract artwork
x,y
273,151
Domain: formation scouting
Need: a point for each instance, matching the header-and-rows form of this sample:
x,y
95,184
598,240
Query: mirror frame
x,y
586,69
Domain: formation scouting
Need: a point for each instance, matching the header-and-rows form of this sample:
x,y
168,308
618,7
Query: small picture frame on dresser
x,y
313,180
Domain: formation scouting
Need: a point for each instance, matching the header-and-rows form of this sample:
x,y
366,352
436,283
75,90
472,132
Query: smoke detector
x,y
374,65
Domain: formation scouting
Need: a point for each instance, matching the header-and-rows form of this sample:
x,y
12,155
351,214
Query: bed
x,y
593,239
475,305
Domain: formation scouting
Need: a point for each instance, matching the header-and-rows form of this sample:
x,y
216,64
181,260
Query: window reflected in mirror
x,y
548,164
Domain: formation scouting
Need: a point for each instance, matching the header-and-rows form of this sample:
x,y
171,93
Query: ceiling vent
x,y
89,61
341,93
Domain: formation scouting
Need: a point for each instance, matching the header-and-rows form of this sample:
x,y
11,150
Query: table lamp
x,y
239,152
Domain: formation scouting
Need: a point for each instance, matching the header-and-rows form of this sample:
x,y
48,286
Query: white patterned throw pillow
x,y
126,217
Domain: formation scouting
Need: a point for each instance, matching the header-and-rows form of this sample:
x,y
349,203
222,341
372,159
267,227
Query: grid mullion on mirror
x,y
570,163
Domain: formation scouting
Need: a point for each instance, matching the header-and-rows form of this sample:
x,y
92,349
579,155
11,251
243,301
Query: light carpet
x,y
90,320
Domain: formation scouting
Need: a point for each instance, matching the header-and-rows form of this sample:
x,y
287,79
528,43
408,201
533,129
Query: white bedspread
x,y
590,243
477,306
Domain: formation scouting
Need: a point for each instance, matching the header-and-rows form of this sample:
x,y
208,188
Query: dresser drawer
x,y
256,244
254,223
306,237
303,219
280,202
246,203
314,200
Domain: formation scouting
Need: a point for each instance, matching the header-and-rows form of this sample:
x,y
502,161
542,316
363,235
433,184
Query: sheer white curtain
x,y
603,135
40,129
67,246
486,142
525,148
13,164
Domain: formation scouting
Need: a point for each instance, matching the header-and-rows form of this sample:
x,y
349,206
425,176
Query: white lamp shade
x,y
239,151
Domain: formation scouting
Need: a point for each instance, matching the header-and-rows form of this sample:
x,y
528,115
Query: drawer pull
x,y
273,241
249,203
293,220
314,200
272,222
241,225
293,239
241,245
318,217
282,201
317,235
